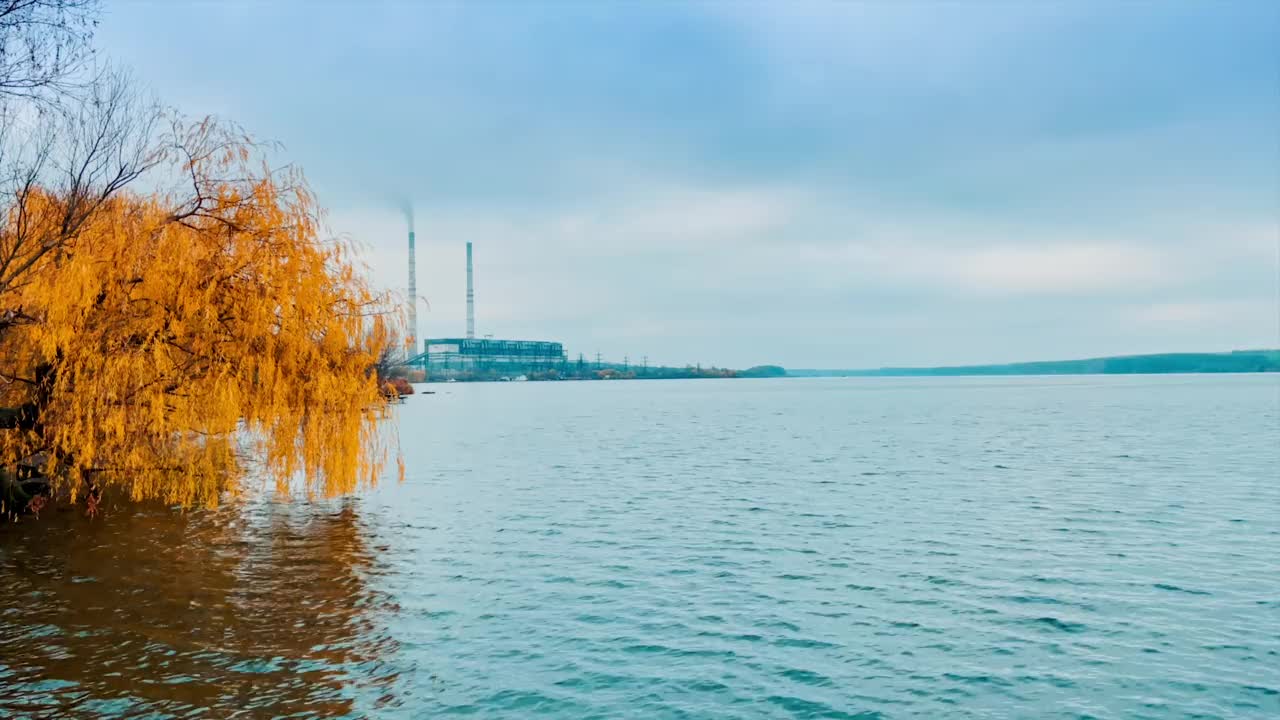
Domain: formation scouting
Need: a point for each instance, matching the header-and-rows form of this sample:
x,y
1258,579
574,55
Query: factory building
x,y
504,358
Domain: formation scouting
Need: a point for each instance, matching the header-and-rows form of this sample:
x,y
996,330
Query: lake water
x,y
1103,547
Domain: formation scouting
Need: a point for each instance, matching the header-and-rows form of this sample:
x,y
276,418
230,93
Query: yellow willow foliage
x,y
180,349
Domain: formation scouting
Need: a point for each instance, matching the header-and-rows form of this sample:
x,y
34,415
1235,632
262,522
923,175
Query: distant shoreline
x,y
1234,362
607,372
1238,361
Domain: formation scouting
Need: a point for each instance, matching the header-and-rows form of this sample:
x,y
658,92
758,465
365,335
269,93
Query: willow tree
x,y
165,344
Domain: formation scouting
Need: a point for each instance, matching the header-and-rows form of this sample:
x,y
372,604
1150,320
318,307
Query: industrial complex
x,y
488,358
476,358
503,358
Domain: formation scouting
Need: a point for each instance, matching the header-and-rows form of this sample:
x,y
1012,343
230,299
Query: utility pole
x,y
597,360
626,363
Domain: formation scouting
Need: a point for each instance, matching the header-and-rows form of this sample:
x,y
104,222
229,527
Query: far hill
x,y
1239,361
763,371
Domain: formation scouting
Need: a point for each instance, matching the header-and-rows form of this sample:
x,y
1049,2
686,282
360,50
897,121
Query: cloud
x,y
812,45
1061,268
1199,313
662,216
681,246
934,257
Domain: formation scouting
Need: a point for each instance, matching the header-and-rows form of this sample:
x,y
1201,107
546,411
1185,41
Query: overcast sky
x,y
814,185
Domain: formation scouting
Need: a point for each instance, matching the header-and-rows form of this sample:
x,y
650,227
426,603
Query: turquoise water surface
x,y
1104,547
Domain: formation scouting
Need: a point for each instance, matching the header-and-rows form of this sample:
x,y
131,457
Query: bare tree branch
x,y
83,153
44,46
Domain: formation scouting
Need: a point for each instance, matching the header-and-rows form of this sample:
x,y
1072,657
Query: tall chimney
x,y
471,299
411,337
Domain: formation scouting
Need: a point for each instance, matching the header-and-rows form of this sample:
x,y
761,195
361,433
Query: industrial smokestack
x,y
471,299
411,332
412,339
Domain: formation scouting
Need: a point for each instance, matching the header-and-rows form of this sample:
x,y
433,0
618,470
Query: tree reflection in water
x,y
256,610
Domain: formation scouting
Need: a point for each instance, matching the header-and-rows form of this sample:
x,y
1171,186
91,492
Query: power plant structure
x,y
411,336
472,358
469,358
471,299
486,358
